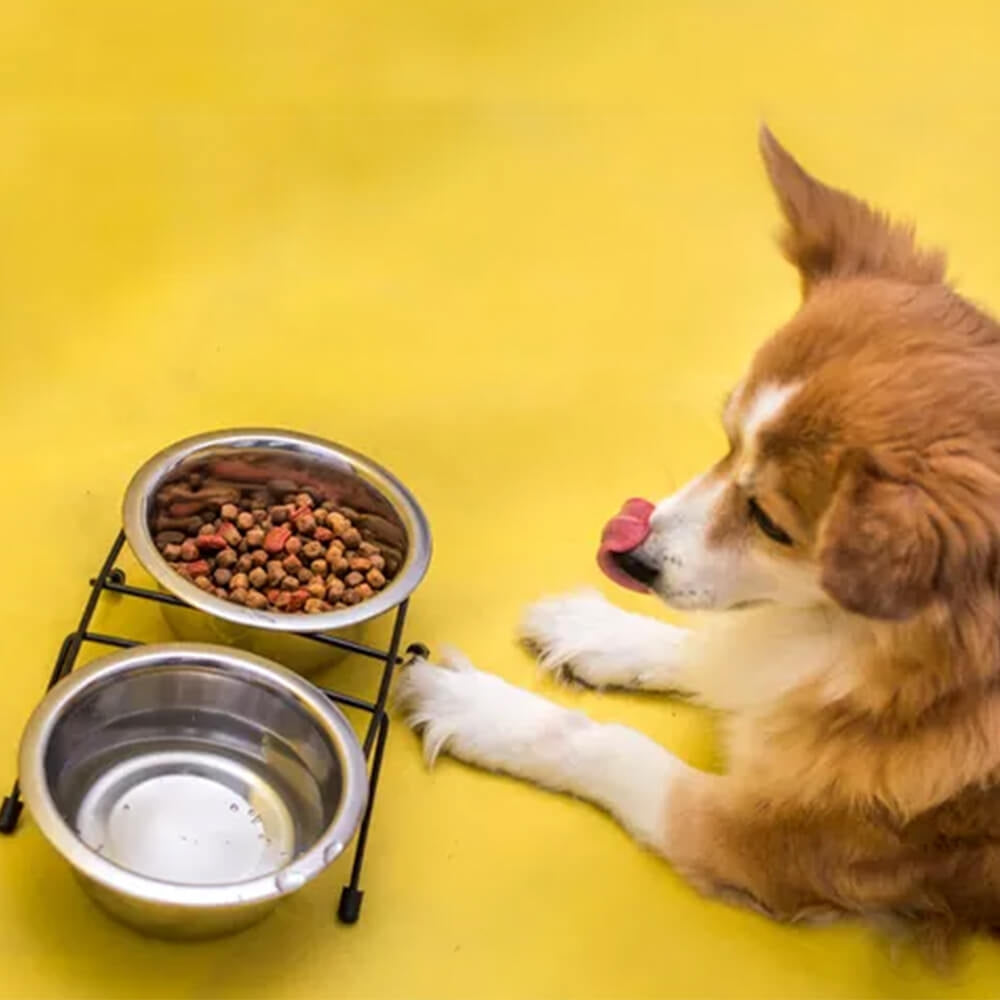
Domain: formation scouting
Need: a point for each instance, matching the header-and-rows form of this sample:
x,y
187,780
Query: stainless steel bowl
x,y
388,512
192,787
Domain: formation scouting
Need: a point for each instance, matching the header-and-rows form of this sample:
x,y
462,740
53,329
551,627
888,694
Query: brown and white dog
x,y
852,533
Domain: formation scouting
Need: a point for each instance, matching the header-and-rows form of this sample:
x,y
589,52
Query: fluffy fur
x,y
857,660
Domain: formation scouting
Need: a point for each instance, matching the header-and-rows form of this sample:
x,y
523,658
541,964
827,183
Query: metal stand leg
x,y
351,896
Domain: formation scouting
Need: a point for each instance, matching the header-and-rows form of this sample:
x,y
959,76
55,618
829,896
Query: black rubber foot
x,y
117,576
10,813
418,649
350,905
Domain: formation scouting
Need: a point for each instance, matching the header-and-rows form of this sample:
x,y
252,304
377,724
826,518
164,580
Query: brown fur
x,y
885,797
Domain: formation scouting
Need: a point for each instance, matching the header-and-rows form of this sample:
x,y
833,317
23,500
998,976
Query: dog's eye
x,y
772,530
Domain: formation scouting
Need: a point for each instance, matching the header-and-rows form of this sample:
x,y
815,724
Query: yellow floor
x,y
516,251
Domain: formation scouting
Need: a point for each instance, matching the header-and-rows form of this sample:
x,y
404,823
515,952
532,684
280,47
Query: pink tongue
x,y
625,531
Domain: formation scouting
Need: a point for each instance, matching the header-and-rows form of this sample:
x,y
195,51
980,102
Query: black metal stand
x,y
111,579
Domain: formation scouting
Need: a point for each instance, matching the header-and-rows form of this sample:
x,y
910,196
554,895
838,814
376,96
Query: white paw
x,y
582,637
472,715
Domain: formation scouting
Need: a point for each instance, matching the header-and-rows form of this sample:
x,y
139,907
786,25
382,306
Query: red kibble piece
x,y
275,539
198,568
210,543
297,599
231,534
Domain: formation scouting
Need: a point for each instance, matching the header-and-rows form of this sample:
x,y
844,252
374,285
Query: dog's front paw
x,y
475,716
583,638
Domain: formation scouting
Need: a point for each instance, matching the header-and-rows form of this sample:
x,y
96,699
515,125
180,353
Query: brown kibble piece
x,y
227,559
367,549
203,583
255,599
238,595
189,551
323,535
275,572
282,600
240,581
338,523
255,537
377,562
305,524
320,567
208,528
229,512
290,582
321,515
363,591
245,520
351,538
317,588
292,564
258,557
359,563
375,578
304,500
257,577
353,579
338,564
314,606
171,552
304,575
164,538
279,515
293,546
222,576
245,563
312,550
351,597
334,590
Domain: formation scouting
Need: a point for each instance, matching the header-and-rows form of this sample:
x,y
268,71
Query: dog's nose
x,y
632,565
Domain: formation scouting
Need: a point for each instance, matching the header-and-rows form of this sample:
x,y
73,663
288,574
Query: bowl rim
x,y
140,537
289,878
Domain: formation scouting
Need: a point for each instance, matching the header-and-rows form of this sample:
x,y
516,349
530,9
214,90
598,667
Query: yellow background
x,y
517,251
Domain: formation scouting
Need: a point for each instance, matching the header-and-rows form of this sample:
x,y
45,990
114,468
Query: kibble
x,y
282,548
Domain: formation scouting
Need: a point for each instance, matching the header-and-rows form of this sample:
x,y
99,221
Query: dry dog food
x,y
272,546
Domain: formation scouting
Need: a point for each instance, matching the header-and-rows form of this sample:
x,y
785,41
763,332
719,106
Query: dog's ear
x,y
881,543
833,234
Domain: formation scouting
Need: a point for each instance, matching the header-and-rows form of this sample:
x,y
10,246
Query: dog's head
x,y
864,441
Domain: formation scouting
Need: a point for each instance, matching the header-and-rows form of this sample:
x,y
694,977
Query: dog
x,y
850,542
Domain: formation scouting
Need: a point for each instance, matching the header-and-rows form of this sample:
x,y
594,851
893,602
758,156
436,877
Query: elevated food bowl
x,y
192,787
388,514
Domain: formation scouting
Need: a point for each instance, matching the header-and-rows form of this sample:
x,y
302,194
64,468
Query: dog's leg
x,y
724,846
585,638
483,720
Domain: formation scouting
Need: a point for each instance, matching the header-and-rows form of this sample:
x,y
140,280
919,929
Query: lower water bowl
x,y
192,787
